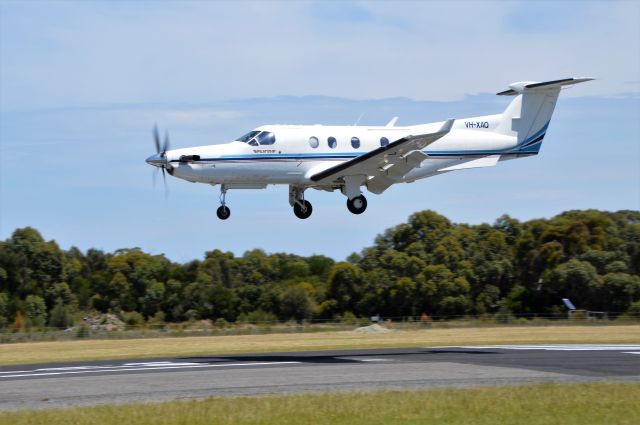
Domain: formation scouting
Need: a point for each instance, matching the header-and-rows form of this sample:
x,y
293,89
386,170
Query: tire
x,y
357,205
223,212
303,212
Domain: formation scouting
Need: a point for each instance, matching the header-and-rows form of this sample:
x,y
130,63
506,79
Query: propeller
x,y
160,160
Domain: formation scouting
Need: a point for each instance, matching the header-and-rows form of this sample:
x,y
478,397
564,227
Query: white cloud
x,y
93,53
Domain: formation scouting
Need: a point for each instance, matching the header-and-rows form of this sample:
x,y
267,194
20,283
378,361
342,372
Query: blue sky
x,y
81,85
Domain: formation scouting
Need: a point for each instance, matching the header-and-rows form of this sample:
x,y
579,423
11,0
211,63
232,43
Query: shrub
x,y
83,331
133,319
221,323
634,310
157,321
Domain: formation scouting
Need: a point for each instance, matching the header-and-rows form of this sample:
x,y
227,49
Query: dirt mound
x,y
373,329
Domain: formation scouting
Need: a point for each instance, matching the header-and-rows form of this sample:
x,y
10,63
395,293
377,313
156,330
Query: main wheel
x,y
357,205
223,212
302,211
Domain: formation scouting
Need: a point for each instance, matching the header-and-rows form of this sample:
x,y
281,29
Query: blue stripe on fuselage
x,y
532,140
298,157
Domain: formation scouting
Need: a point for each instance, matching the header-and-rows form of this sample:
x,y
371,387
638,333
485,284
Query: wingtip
x,y
446,127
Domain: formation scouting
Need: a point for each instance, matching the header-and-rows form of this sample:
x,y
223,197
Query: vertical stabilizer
x,y
529,114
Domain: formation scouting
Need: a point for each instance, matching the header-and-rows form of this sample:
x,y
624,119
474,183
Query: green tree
x,y
61,316
296,303
619,291
36,311
345,286
4,310
575,279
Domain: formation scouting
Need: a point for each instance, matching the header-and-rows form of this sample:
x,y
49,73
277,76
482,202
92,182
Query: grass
x,y
81,350
548,404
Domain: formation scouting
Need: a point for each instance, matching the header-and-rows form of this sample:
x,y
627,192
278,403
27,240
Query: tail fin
x,y
529,114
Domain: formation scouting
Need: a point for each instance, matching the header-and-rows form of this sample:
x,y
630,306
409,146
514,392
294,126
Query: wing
x,y
387,164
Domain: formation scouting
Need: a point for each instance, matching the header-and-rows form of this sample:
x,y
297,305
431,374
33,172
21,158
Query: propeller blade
x,y
164,180
166,142
156,138
154,175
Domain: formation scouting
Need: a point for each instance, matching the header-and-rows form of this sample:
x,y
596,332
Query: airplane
x,y
348,158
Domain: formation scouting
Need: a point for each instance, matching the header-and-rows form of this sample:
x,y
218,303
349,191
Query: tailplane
x,y
529,114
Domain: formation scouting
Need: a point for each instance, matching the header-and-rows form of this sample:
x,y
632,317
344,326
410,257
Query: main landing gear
x,y
357,205
223,211
356,202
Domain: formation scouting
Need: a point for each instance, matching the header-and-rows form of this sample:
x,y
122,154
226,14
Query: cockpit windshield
x,y
255,138
250,135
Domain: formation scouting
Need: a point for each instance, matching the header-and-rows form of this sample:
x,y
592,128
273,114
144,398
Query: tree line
x,y
427,265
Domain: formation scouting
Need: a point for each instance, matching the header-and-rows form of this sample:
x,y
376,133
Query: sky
x,y
83,83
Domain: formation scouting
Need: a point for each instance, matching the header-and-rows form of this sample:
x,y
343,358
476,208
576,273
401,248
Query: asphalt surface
x,y
104,382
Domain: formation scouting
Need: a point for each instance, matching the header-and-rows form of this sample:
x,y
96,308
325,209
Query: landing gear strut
x,y
357,205
301,207
223,211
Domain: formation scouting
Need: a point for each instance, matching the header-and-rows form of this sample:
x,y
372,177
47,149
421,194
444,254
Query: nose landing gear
x,y
301,207
223,212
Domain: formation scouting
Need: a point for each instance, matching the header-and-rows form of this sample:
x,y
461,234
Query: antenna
x,y
358,120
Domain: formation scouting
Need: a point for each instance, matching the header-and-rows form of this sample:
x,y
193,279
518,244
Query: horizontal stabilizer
x,y
487,161
526,86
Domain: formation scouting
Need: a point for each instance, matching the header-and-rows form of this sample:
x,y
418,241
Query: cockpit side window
x,y
266,138
250,135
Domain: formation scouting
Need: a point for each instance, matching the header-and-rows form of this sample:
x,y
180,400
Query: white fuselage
x,y
292,158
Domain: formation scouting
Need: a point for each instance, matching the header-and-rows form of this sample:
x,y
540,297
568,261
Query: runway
x,y
135,380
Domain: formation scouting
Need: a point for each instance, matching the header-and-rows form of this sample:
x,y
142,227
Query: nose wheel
x,y
223,212
302,209
357,205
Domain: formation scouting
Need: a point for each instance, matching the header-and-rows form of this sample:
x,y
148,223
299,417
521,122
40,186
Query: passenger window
x,y
384,141
355,142
313,142
266,138
332,142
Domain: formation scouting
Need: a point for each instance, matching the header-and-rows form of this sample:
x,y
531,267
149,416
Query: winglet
x,y
446,127
392,122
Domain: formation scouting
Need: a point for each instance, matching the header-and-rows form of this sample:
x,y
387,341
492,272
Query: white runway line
x,y
623,348
73,368
365,360
126,368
